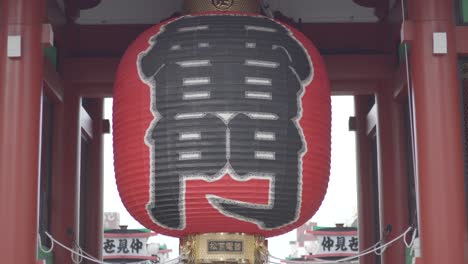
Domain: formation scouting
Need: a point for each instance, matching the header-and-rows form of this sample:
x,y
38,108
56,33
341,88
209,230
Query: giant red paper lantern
x,y
222,124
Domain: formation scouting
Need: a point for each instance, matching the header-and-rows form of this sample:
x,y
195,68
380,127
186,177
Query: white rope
x,y
73,251
413,238
76,255
364,253
39,242
84,252
381,247
83,255
376,251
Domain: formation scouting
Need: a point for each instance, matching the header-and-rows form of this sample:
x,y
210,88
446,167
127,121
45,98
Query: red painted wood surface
x,y
462,39
393,190
330,38
364,178
95,186
438,134
20,109
65,174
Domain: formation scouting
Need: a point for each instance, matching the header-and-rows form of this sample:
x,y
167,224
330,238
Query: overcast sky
x,y
339,206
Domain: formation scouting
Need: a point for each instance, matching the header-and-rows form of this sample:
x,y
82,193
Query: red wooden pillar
x,y
438,136
392,167
20,109
95,188
65,175
364,180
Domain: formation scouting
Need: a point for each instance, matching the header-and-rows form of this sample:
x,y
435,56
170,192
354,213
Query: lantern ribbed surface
x,y
222,124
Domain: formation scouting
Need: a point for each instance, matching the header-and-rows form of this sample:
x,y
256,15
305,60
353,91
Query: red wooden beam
x,y
330,38
400,81
392,171
54,84
92,90
364,38
65,213
359,67
101,40
90,70
461,40
364,180
354,87
94,196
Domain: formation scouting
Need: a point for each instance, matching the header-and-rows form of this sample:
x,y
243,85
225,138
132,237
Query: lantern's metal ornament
x,y
224,247
248,6
222,130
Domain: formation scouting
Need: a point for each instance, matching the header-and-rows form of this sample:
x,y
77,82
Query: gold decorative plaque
x,y
195,6
224,247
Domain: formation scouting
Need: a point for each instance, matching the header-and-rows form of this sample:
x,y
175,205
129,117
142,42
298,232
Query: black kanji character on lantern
x,y
109,246
122,248
219,112
136,245
327,243
341,244
353,244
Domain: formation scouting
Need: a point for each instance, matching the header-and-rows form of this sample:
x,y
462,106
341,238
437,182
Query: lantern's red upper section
x,y
222,124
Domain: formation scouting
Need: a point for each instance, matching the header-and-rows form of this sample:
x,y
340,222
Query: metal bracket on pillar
x,y
14,46
439,40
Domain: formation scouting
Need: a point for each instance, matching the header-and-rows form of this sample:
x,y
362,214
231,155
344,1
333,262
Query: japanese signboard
x,y
126,246
335,243
218,246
